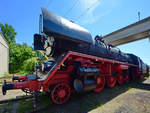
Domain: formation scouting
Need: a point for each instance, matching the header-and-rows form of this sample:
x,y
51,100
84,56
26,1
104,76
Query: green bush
x,y
30,64
6,74
18,55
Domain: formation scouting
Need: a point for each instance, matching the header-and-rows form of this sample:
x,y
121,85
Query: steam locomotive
x,y
66,36
81,62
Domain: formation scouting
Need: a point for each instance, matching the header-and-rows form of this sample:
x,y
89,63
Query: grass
x,y
6,75
26,106
6,107
89,103
1,81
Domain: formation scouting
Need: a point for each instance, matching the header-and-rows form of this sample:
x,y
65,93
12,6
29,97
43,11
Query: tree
x,y
18,53
9,33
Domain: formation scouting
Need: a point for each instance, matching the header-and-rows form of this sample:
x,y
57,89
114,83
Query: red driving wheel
x,y
111,81
126,78
100,84
120,79
61,93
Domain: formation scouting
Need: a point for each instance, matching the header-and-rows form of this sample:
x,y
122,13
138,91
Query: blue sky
x,y
104,17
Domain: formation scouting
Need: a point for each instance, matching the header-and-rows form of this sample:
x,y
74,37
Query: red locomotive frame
x,y
58,82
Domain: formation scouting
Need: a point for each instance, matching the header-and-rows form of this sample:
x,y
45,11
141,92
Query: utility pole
x,y
149,36
40,24
139,15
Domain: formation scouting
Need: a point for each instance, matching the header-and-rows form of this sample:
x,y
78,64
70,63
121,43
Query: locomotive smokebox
x,y
61,35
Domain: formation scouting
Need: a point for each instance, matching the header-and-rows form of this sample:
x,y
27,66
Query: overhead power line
x,y
87,10
69,10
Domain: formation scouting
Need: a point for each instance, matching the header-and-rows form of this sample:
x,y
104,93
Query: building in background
x,y
4,55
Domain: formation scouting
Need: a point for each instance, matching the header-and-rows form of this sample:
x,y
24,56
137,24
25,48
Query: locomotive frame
x,y
59,80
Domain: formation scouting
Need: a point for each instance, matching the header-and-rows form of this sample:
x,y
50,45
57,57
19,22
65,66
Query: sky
x,y
101,18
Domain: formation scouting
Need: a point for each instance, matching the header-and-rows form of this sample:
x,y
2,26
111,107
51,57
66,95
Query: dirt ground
x,y
132,101
128,98
9,107
135,100
10,94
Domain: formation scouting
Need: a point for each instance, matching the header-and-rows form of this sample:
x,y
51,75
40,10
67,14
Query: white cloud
x,y
89,19
103,7
87,9
90,3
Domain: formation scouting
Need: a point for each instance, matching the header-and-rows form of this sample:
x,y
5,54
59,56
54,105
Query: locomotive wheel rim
x,y
61,93
111,81
100,84
120,80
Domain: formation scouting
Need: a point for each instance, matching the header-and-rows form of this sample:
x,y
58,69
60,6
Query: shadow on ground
x,y
83,103
144,86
